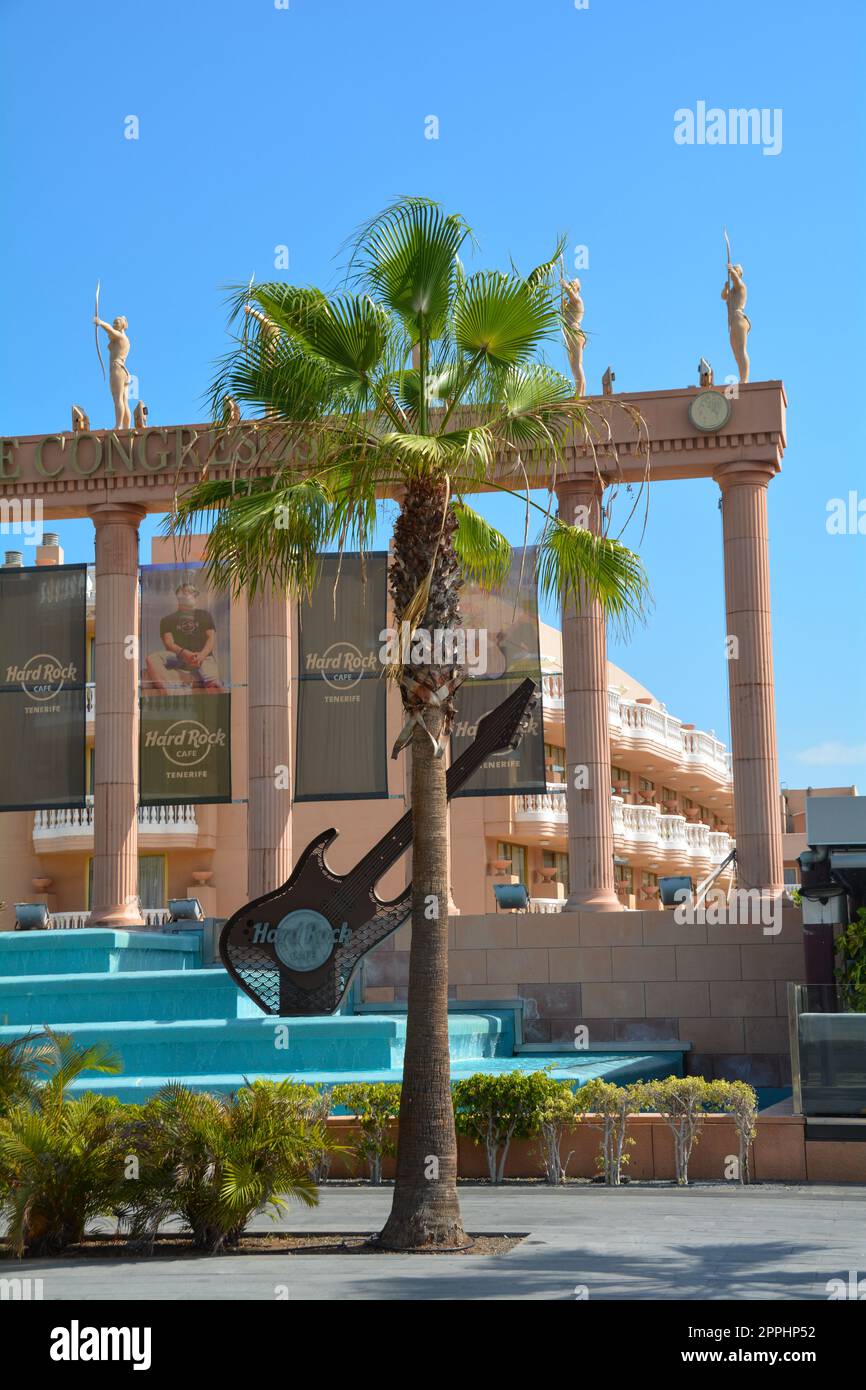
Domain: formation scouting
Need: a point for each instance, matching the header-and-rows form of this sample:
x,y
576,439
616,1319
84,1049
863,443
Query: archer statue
x,y
118,373
734,294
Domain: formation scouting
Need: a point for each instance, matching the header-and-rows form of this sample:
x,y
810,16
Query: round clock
x,y
709,411
305,939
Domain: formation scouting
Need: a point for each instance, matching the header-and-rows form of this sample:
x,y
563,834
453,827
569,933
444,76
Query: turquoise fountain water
x,y
148,998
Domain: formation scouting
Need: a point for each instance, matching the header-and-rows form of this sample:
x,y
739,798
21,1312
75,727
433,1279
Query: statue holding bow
x,y
118,373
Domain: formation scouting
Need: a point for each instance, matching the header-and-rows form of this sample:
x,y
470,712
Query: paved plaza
x,y
706,1242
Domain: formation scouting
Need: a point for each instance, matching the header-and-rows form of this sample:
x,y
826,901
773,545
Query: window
x,y
646,785
553,859
517,855
151,880
623,873
791,877
554,762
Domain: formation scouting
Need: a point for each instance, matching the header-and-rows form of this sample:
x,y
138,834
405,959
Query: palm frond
x,y
576,566
406,255
502,319
483,552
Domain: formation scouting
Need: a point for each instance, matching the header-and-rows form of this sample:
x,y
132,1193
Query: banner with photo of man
x,y
43,637
341,710
502,641
185,677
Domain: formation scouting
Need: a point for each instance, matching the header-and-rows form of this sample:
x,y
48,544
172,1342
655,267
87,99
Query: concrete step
x,y
96,951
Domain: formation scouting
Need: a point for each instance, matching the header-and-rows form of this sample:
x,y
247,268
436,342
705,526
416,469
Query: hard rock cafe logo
x,y
341,666
186,742
42,677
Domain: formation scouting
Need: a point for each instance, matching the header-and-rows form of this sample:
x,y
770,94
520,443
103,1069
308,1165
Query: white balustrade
x,y
75,921
549,805
78,820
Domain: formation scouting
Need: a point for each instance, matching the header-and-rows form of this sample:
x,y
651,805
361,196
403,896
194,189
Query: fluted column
x,y
750,674
115,793
269,822
587,738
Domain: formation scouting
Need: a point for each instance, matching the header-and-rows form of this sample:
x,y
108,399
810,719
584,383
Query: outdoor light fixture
x,y
676,889
32,917
511,897
185,910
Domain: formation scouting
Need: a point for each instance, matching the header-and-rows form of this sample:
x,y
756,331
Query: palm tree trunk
x,y
425,1210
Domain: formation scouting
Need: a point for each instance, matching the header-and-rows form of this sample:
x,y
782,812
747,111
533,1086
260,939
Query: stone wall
x,y
629,977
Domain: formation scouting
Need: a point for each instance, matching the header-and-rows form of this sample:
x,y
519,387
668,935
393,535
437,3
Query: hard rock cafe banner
x,y
42,687
503,649
185,678
341,751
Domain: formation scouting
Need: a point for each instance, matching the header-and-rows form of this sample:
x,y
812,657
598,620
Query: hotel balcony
x,y
651,742
643,834
159,827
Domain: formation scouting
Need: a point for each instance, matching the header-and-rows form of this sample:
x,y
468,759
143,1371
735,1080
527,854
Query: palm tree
x,y
423,383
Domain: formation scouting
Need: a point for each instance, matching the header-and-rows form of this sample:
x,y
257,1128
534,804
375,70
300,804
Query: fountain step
x,y
96,951
345,1045
125,997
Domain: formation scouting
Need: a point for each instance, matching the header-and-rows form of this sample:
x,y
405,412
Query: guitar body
x,y
294,951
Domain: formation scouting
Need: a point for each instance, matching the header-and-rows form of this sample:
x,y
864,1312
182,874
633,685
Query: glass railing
x,y
828,1053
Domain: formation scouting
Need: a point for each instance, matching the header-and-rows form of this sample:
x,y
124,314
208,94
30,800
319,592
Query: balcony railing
x,y
75,822
75,921
634,827
631,722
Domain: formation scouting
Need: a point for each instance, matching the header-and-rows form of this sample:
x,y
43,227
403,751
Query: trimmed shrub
x,y
683,1101
375,1105
611,1105
739,1100
494,1109
559,1112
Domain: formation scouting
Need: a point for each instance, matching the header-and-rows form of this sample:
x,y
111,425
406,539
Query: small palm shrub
x,y
214,1161
312,1105
22,1062
610,1106
61,1159
375,1105
494,1109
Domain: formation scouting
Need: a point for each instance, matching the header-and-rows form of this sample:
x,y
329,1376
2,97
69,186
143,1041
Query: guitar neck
x,y
397,840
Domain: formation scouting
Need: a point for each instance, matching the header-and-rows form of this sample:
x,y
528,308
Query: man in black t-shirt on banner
x,y
189,637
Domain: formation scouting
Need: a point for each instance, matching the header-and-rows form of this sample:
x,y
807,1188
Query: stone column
x,y
587,738
115,810
750,674
269,821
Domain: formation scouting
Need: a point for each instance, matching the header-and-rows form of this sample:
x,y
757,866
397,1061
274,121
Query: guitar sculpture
x,y
293,951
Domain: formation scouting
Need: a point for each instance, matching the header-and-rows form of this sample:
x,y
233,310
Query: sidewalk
x,y
705,1242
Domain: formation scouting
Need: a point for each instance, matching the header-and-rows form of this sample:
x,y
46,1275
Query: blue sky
x,y
262,126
